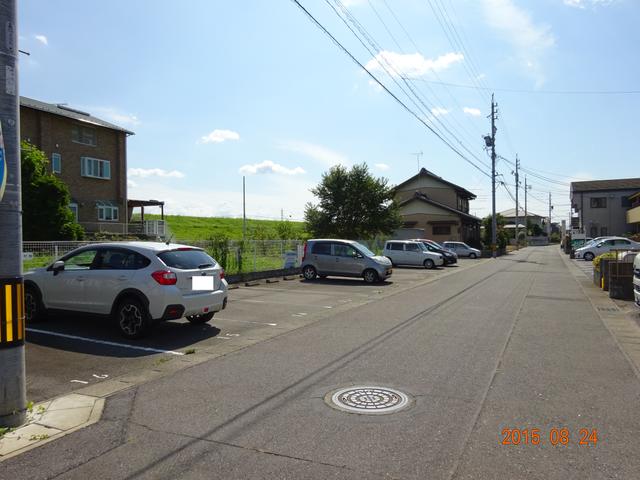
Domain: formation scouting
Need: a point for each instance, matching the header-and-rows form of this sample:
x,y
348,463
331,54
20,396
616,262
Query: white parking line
x,y
246,321
103,342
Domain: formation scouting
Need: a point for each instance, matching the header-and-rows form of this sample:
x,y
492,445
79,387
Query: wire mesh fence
x,y
234,256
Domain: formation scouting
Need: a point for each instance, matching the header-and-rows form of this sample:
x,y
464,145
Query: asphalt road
x,y
510,344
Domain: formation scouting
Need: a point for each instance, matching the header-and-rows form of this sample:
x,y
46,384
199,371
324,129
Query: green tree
x,y
352,204
45,200
501,237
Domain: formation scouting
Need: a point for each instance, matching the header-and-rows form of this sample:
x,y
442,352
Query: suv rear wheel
x,y
199,319
133,318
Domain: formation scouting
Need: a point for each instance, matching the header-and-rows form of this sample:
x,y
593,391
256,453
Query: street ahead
x,y
512,344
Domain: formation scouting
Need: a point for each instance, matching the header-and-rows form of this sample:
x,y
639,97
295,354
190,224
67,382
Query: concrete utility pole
x,y
517,204
13,402
244,212
526,217
494,225
550,208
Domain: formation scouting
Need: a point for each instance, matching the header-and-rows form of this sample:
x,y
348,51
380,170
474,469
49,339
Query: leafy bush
x,y
607,256
554,238
218,248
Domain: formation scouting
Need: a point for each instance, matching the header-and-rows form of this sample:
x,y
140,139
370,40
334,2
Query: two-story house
x,y
90,157
602,205
437,207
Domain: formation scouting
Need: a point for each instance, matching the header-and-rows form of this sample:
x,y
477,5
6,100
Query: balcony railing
x,y
153,228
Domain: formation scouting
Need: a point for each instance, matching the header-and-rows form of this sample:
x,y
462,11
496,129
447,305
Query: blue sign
x,y
3,165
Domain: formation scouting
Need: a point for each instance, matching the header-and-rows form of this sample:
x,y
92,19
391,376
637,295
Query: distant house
x,y
90,157
602,205
533,218
633,214
437,209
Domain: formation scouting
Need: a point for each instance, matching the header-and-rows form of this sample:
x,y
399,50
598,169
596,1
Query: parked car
x,y
462,249
135,283
450,257
409,252
589,252
343,258
636,280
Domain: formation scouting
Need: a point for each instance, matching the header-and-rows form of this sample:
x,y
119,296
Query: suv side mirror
x,y
57,267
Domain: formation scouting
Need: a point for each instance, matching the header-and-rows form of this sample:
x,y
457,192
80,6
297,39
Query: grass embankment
x,y
203,228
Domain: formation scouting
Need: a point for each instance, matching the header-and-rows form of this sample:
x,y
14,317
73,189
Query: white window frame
x,y
95,168
73,206
54,157
111,210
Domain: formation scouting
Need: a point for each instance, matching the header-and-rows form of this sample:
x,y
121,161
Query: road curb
x,y
49,420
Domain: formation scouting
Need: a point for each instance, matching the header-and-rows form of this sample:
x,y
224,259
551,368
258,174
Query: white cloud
x,y
131,183
269,167
412,64
316,152
474,112
382,166
584,3
438,111
531,41
154,172
219,136
42,39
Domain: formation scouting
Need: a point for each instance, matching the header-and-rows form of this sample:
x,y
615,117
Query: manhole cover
x,y
369,400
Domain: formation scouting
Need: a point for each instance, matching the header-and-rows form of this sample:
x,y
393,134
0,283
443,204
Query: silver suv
x,y
136,283
343,258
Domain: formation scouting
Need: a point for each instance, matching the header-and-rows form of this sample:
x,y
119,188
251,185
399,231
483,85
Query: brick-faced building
x,y
88,154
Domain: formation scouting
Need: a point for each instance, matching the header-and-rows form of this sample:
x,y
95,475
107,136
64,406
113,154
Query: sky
x,y
215,91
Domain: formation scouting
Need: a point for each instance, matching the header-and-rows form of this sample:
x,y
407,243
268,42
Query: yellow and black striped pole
x,y
12,327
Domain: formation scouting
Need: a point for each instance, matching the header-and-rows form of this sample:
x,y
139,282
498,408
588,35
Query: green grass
x,y
202,228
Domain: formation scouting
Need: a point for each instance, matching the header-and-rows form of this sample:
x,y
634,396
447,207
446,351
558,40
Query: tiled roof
x,y
596,185
512,213
423,198
69,112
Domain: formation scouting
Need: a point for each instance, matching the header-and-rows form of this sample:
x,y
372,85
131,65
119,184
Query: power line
x,y
375,79
537,92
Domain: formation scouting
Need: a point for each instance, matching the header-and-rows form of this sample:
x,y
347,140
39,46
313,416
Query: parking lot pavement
x,y
70,352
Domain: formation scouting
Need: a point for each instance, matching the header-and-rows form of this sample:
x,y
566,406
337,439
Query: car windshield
x,y
364,250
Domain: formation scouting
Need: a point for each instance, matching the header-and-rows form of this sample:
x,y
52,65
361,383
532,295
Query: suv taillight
x,y
165,277
221,274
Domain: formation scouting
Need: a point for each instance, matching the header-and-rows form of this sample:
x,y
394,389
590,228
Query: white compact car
x,y
592,250
404,252
135,283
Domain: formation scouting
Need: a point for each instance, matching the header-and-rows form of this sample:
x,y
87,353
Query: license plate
x,y
202,283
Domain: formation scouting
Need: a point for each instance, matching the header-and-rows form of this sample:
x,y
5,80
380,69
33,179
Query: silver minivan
x,y
407,252
343,258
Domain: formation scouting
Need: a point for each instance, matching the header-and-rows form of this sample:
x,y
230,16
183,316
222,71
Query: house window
x,y
56,163
107,212
599,202
442,229
84,135
95,168
74,209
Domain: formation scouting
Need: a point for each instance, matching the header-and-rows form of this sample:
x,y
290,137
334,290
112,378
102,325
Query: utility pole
x,y
282,214
526,218
13,402
517,204
549,224
244,212
494,226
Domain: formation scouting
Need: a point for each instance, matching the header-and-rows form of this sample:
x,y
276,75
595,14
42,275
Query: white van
x,y
404,252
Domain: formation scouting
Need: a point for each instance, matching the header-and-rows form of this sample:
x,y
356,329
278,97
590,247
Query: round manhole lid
x,y
369,400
